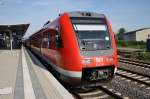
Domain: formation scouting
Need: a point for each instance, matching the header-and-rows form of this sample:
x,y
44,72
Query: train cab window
x,y
92,34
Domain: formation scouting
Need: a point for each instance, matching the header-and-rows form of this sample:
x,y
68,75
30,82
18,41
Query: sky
x,y
130,14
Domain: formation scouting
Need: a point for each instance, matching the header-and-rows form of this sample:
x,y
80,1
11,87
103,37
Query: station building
x,y
11,35
137,35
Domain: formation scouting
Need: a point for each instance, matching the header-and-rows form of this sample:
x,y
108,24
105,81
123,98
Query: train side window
x,y
45,39
49,39
58,39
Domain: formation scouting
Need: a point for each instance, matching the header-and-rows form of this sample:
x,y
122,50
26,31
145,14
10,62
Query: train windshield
x,y
91,32
92,35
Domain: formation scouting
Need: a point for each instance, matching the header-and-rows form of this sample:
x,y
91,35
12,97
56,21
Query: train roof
x,y
86,14
80,14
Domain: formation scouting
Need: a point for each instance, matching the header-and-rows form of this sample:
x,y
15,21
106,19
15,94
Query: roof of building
x,y
137,30
19,28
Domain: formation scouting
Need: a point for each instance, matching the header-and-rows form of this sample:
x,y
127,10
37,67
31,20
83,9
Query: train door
x,y
48,47
53,53
44,43
38,42
58,39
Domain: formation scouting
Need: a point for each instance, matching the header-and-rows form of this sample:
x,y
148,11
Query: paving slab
x,y
8,69
22,76
51,87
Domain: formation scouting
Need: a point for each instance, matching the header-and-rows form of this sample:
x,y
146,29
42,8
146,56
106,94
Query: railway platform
x,y
22,76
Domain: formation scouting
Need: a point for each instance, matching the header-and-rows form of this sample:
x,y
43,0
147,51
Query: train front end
x,y
97,46
96,56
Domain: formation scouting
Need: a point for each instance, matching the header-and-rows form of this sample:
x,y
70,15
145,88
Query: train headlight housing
x,y
87,61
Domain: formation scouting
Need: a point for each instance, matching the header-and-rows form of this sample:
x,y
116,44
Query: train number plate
x,y
100,74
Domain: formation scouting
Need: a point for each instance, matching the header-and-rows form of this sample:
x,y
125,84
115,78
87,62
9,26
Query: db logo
x,y
98,60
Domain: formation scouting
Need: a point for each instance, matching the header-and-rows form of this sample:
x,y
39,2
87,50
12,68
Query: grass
x,y
142,55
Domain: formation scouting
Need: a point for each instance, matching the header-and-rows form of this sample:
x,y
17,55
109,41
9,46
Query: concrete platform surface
x,y
22,76
51,87
8,68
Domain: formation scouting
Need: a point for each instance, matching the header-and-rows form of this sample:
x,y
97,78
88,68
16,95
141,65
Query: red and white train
x,y
80,46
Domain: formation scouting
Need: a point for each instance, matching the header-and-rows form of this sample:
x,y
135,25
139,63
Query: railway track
x,y
134,72
134,76
99,92
103,92
134,62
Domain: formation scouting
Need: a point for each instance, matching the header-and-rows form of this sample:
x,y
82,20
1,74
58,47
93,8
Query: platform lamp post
x,y
148,43
11,39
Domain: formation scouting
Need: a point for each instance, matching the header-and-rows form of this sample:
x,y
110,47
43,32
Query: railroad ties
x,y
135,72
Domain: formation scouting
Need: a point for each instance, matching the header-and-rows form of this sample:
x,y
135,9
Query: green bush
x,y
131,44
141,55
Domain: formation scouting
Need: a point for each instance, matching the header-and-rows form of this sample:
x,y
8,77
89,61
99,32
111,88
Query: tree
x,y
120,33
122,30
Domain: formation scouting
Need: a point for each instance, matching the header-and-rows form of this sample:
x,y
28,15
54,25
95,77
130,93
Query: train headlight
x,y
115,70
87,61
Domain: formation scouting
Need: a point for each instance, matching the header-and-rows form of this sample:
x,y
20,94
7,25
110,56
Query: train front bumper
x,y
92,75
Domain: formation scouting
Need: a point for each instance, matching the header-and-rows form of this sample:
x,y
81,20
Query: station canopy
x,y
18,29
11,35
